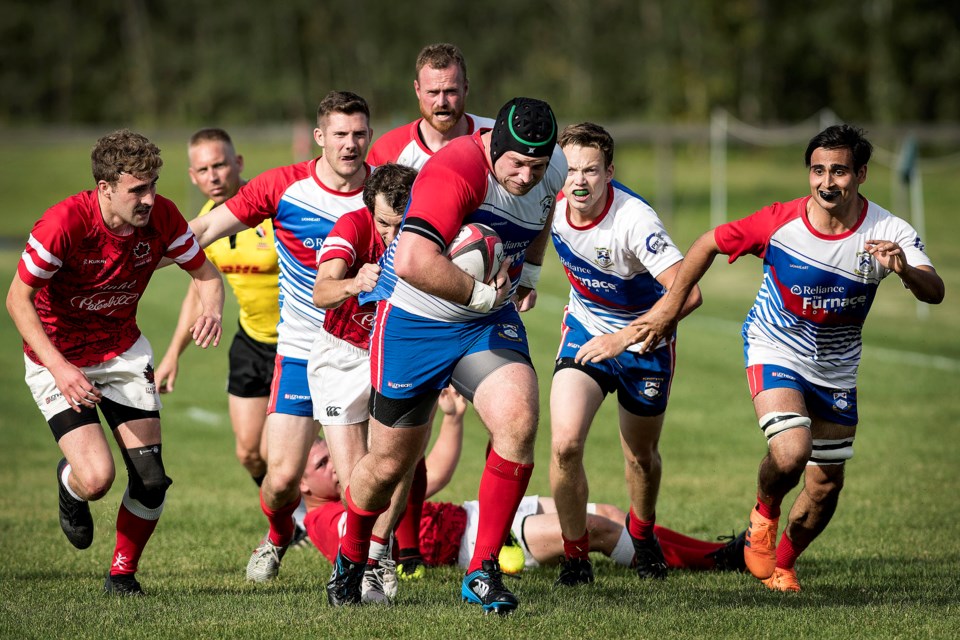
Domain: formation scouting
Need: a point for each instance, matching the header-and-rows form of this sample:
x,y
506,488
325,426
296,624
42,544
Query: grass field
x,y
888,566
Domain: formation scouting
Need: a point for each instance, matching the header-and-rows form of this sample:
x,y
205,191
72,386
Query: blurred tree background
x,y
246,62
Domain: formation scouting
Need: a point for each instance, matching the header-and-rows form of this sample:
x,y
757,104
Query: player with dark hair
x,y
824,256
249,261
338,369
74,301
619,260
303,201
506,178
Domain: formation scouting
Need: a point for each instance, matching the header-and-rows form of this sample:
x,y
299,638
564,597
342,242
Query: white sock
x,y
378,551
64,476
623,552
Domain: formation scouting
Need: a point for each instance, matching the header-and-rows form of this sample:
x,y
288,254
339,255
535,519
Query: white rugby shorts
x,y
338,374
126,379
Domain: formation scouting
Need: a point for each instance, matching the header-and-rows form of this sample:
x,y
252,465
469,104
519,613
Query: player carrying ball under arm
x,y
442,86
74,300
619,261
824,256
506,178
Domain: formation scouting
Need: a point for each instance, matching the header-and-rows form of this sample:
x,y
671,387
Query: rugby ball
x,y
478,250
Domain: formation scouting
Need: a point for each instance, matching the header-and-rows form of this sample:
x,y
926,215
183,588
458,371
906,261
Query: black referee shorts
x,y
251,366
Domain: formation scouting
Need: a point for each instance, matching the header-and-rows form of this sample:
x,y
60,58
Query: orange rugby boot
x,y
760,549
782,580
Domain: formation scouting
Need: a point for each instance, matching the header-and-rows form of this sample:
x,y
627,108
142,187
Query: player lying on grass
x,y
448,531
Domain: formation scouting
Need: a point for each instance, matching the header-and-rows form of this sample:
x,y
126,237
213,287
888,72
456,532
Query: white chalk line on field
x,y
895,356
203,416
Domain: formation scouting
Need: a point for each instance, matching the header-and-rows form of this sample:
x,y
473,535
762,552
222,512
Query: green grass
x,y
887,566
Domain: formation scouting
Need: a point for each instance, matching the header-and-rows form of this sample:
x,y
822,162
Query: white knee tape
x,y
776,422
826,452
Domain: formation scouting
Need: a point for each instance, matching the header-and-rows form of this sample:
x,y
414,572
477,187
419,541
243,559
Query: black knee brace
x,y
147,481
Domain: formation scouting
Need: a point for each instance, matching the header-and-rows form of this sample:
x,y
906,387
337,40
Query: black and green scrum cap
x,y
524,125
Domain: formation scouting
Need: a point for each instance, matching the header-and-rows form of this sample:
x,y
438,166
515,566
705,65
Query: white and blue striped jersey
x,y
613,262
817,289
303,211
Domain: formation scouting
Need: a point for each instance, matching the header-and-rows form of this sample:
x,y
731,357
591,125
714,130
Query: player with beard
x,y
74,301
824,256
441,85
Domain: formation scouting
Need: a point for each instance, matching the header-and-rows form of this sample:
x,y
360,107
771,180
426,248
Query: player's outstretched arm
x,y
661,320
70,380
923,281
190,309
219,223
207,328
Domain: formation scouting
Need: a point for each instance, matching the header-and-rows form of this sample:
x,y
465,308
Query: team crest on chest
x,y
604,259
864,263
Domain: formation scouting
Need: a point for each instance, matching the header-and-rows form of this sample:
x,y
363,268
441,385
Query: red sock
x,y
501,488
787,552
641,529
407,530
355,543
684,552
579,548
669,536
769,511
133,533
281,521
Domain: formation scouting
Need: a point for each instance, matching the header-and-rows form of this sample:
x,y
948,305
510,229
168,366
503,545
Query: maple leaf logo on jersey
x,y
142,250
148,374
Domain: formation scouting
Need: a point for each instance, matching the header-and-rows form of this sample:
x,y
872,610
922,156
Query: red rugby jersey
x,y
354,239
91,279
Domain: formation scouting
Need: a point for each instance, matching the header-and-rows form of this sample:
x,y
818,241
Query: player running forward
x,y
506,178
303,201
339,366
619,261
441,85
74,301
824,256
